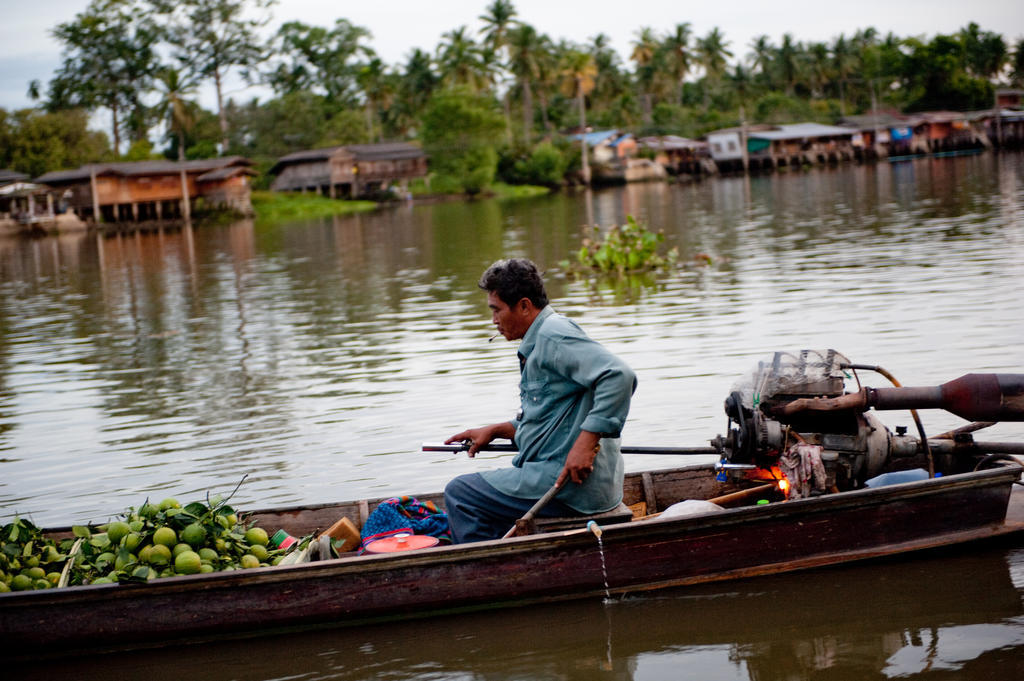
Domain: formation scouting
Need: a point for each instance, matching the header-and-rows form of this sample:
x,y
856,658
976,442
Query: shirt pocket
x,y
534,396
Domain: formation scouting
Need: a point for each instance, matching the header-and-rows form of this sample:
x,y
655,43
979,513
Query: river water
x,y
314,358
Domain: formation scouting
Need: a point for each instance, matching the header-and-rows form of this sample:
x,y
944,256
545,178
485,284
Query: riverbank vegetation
x,y
279,206
492,102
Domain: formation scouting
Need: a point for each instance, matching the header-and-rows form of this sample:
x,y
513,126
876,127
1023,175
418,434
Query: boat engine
x,y
799,398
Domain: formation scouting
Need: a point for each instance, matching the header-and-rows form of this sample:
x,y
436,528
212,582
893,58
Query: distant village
x,y
143,192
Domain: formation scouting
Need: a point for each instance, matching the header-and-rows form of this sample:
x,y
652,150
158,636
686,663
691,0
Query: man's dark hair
x,y
514,279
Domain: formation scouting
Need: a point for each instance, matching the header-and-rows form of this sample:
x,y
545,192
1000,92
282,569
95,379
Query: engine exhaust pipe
x,y
975,397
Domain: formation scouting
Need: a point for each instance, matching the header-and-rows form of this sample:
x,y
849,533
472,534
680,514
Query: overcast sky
x,y
27,50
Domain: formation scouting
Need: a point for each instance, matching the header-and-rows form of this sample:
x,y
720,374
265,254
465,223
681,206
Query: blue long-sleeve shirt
x,y
569,383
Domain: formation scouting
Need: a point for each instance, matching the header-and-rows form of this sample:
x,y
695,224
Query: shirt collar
x,y
530,339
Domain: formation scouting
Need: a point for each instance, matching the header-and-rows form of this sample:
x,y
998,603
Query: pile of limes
x,y
166,539
27,559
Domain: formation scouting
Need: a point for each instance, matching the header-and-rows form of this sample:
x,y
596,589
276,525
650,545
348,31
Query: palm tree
x,y
525,46
677,48
612,84
645,49
461,61
760,58
844,65
498,19
786,58
415,86
176,111
819,68
578,78
712,55
378,92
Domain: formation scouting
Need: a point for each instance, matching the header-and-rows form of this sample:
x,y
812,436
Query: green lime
x,y
187,563
41,583
132,540
232,519
160,555
257,535
169,502
36,572
136,525
259,551
4,588
206,567
250,561
165,536
53,577
104,559
180,549
21,583
194,535
208,554
148,510
52,554
145,553
116,530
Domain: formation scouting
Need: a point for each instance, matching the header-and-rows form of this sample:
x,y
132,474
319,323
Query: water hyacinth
x,y
625,249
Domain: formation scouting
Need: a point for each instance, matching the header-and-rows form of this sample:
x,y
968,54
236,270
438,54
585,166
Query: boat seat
x,y
619,514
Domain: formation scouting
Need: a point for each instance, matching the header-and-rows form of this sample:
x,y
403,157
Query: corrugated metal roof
x,y
594,138
136,168
387,151
801,131
671,142
224,173
11,176
883,119
395,151
321,154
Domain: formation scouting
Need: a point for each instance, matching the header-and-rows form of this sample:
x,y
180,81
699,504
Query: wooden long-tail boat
x,y
755,526
737,542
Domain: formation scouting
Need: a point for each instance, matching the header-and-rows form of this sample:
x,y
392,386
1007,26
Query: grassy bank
x,y
499,190
517,191
281,206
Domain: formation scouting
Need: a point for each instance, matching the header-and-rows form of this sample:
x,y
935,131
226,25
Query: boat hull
x,y
639,555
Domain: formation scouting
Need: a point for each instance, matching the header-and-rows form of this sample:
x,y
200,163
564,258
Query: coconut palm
x,y
461,61
378,92
177,113
645,50
578,78
844,64
760,58
525,46
787,62
712,54
499,18
677,52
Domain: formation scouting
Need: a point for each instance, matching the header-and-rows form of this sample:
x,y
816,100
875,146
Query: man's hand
x,y
579,464
481,437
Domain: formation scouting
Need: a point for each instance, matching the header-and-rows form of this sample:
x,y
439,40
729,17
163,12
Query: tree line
x,y
498,95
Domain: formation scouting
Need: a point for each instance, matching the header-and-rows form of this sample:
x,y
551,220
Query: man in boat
x,y
574,397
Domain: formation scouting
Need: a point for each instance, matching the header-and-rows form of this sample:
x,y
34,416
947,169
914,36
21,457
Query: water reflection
x,y
317,356
960,616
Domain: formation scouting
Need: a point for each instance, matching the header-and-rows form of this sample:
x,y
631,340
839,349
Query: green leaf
x,y
81,531
196,508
